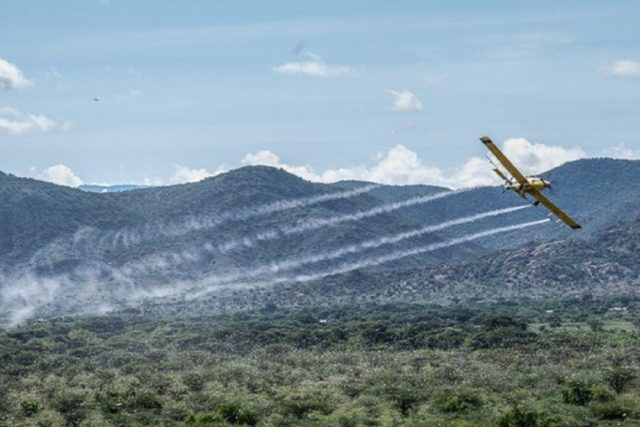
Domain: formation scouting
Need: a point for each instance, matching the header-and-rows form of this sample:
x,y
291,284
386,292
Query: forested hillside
x,y
33,212
259,225
514,364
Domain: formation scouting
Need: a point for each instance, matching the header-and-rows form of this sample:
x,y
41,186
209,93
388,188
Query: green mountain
x,y
177,239
122,227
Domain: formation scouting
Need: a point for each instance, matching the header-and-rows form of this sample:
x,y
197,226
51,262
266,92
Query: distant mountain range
x,y
245,221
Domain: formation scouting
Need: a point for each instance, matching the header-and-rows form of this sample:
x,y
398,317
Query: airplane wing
x,y
555,210
503,159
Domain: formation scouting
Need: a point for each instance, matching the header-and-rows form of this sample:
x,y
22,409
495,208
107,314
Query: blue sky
x,y
390,91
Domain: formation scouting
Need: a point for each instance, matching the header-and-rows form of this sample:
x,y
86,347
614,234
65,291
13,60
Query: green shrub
x,y
457,400
193,381
404,399
299,405
602,393
499,321
113,402
71,406
519,417
501,331
234,413
577,392
444,339
110,402
144,400
613,410
205,420
29,407
619,377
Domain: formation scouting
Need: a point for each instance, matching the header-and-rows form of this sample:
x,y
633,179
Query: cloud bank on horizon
x,y
401,166
398,166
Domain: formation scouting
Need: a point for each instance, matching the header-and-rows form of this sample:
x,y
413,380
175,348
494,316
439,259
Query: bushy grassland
x,y
506,364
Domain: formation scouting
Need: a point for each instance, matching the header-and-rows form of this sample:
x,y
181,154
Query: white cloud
x,y
401,166
184,174
61,175
268,158
405,101
622,152
262,157
534,158
530,158
11,77
313,67
624,68
398,166
18,123
475,172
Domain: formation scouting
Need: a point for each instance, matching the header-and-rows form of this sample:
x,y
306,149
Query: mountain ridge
x,y
154,238
29,203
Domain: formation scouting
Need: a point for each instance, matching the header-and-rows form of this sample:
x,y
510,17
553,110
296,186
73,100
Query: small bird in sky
x,y
96,99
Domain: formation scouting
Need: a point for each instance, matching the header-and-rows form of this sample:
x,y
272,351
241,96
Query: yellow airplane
x,y
524,185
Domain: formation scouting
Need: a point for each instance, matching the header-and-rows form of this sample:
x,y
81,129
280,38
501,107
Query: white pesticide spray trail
x,y
282,205
374,261
315,224
243,214
359,247
345,268
18,303
91,240
168,261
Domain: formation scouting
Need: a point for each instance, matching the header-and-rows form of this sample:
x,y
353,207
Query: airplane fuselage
x,y
533,183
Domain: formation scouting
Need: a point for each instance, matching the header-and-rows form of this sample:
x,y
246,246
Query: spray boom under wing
x,y
501,175
498,172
